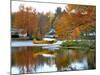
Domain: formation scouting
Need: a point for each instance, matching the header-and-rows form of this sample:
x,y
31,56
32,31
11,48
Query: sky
x,y
40,7
45,7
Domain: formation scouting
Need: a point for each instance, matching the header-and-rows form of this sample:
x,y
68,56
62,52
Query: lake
x,y
35,59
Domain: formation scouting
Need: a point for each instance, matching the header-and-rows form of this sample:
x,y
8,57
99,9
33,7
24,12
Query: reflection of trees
x,y
62,60
75,55
65,57
24,58
91,59
27,60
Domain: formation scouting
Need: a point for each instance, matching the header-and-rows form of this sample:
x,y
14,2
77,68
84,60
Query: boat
x,y
40,42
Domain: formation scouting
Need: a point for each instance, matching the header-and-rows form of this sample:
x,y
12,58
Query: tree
x,y
31,21
62,26
26,19
12,19
84,16
75,19
75,33
56,16
44,23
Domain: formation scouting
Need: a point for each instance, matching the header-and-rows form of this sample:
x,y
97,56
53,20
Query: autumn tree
x,y
84,16
31,21
19,18
61,26
75,19
26,19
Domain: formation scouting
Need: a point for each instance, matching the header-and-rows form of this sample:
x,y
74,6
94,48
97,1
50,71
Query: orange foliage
x,y
75,34
26,20
75,19
63,26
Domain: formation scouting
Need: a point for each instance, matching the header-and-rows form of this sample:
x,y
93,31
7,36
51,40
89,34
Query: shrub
x,y
83,44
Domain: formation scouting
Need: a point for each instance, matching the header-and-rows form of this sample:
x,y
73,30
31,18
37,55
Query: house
x,y
17,33
50,35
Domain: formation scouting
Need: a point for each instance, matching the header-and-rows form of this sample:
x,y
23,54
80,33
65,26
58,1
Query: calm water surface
x,y
37,59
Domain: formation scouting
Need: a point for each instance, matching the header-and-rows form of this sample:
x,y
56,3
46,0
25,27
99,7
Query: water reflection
x,y
36,59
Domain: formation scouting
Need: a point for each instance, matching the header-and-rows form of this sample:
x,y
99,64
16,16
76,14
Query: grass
x,y
90,44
